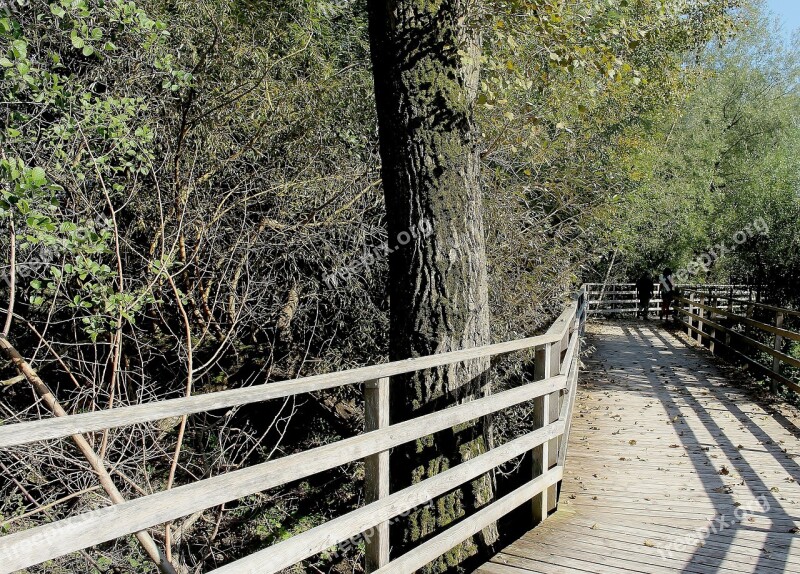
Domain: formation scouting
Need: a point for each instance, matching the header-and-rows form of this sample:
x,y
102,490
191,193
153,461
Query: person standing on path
x,y
644,292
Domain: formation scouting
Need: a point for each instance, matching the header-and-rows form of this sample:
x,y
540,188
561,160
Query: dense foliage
x,y
718,177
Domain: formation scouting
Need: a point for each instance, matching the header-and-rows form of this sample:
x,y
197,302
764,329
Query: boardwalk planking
x,y
662,446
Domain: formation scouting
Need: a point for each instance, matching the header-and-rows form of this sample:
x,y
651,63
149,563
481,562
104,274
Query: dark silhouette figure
x,y
644,292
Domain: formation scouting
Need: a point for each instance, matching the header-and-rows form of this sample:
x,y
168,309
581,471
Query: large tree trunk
x,y
425,61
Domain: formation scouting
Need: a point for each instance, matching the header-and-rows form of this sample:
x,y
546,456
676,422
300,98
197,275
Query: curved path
x,y
670,469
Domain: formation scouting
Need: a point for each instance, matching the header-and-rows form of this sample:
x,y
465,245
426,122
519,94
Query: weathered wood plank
x,y
376,471
777,354
773,308
438,545
767,371
295,549
661,446
23,549
27,432
543,366
746,320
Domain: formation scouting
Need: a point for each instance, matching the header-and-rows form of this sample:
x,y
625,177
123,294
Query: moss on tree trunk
x,y
425,59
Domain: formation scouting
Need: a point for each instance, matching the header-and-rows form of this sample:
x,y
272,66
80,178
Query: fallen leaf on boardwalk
x,y
632,442
724,471
674,446
649,543
595,526
794,530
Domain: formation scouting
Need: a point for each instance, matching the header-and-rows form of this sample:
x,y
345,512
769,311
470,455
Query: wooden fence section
x,y
714,321
552,392
621,298
725,318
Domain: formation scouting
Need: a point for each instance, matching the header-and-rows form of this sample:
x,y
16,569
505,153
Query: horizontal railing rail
x,y
621,298
745,303
721,329
552,392
617,298
33,431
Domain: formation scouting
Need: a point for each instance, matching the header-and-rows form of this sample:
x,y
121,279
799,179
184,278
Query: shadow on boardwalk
x,y
671,468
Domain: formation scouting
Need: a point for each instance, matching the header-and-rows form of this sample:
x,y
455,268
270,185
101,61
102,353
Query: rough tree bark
x,y
425,61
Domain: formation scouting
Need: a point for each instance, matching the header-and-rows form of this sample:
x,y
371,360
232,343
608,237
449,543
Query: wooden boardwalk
x,y
671,469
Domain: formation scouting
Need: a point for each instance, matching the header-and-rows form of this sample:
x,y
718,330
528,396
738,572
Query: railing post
x,y
701,313
691,311
585,315
376,470
776,362
572,389
614,296
728,341
584,301
711,345
541,412
556,400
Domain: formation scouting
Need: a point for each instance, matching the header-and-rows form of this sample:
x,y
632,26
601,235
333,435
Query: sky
x,y
789,13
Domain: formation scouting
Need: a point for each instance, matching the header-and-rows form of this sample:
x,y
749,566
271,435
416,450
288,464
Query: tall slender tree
x,y
426,62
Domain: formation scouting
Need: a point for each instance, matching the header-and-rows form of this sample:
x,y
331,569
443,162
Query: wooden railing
x,y
552,393
621,299
732,327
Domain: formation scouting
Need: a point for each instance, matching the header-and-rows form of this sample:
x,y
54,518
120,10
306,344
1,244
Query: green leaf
x,y
77,41
6,63
57,10
88,50
38,176
19,48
